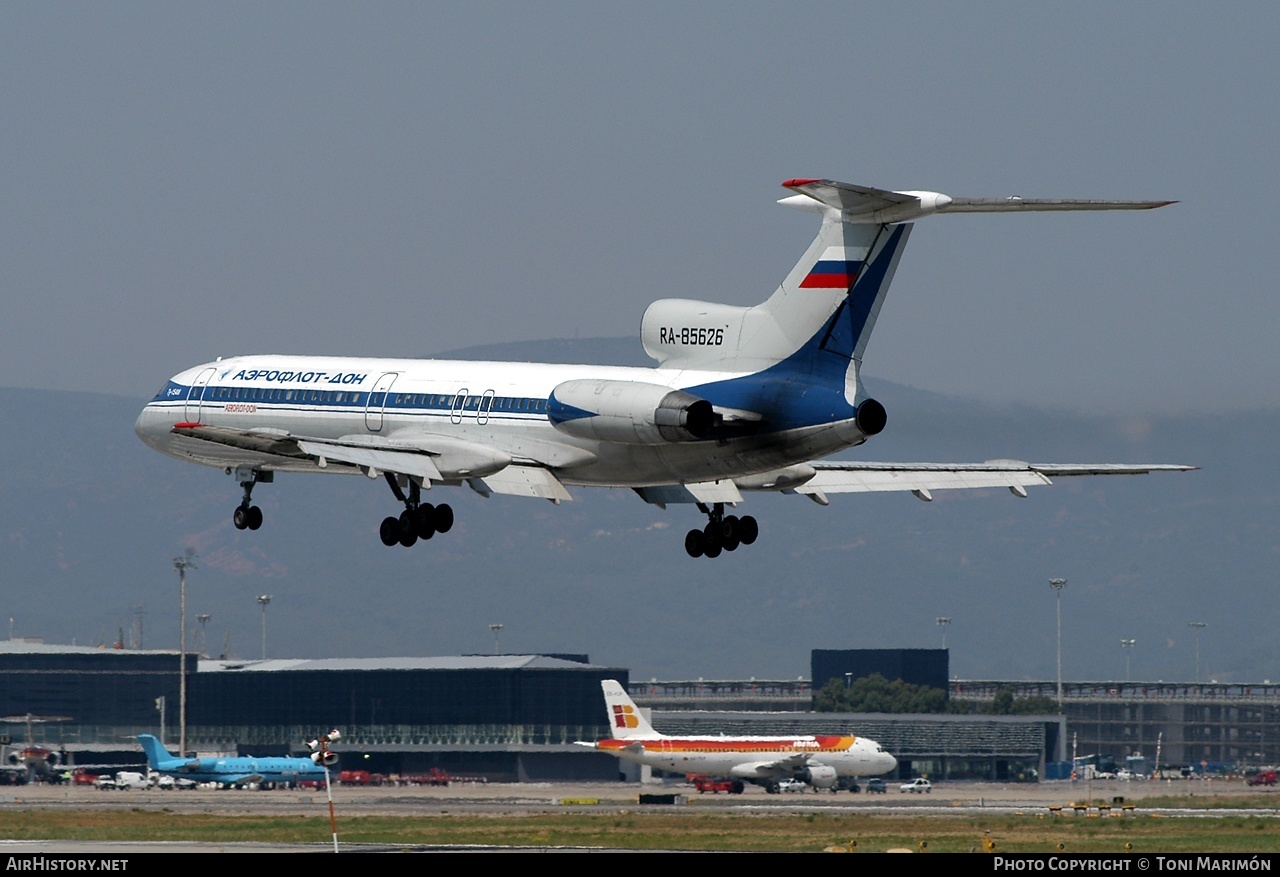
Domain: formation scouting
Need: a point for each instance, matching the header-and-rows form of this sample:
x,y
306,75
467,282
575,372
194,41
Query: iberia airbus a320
x,y
822,761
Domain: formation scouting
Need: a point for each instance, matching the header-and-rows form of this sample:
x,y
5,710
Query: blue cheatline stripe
x,y
521,407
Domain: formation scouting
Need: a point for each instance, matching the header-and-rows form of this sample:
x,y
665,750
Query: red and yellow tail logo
x,y
624,717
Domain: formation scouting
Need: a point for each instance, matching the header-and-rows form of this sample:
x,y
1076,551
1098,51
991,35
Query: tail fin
x,y
826,308
826,305
624,715
157,754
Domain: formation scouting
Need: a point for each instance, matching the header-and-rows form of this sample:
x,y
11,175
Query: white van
x,y
128,779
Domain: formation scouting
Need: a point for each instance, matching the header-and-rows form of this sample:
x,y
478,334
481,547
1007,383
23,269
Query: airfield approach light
x,y
323,756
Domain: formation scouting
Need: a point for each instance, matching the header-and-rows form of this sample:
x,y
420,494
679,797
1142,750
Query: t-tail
x,y
157,755
624,716
822,315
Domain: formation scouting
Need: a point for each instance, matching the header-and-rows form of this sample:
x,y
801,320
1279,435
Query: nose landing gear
x,y
248,516
722,533
419,520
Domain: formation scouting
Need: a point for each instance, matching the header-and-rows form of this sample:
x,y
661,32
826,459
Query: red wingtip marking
x,y
791,184
185,425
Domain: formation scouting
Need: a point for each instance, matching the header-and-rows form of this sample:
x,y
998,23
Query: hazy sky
x,y
183,181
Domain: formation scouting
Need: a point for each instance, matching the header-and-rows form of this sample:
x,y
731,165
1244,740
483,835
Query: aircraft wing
x,y
239,779
922,478
787,766
425,456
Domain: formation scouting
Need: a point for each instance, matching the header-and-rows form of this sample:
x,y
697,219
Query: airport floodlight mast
x,y
1058,585
943,621
497,629
263,601
203,620
1127,644
182,564
1197,626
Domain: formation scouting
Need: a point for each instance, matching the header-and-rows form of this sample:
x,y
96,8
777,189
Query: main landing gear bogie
x,y
419,520
722,533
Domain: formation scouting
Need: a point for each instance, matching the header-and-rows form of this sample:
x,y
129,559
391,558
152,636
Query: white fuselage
x,y
495,405
754,758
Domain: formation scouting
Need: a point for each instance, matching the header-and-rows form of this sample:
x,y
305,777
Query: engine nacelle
x,y
631,412
871,417
820,776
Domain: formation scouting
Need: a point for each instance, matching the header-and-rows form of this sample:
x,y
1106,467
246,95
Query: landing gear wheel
x,y
426,521
729,538
408,524
693,543
240,517
748,530
390,531
255,517
443,518
711,534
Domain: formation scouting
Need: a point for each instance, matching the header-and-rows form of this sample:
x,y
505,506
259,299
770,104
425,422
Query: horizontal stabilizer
x,y
863,204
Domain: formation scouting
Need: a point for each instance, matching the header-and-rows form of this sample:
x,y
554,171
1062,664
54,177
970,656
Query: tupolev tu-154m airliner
x,y
742,399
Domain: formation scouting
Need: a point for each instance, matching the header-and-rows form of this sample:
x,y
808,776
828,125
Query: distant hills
x,y
91,520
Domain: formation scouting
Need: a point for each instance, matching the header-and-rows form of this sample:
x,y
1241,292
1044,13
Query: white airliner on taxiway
x,y
820,761
743,399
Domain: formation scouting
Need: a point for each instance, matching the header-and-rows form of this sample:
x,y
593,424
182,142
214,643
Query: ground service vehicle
x,y
1265,778
876,785
716,784
919,784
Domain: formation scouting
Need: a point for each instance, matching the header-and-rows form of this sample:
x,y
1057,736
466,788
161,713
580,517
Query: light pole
x,y
182,564
943,621
497,629
1197,626
202,619
263,600
1058,585
1127,644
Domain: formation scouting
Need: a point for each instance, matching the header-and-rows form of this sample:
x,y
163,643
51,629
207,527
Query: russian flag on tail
x,y
832,274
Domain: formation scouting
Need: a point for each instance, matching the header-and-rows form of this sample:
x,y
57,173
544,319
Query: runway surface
x,y
516,798
534,798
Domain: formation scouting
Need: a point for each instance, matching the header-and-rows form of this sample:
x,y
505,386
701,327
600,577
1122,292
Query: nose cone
x,y
888,762
151,425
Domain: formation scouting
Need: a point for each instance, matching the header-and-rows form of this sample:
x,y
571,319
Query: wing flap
x,y
401,462
705,492
525,481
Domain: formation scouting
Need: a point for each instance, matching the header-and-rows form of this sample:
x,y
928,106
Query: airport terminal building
x,y
518,717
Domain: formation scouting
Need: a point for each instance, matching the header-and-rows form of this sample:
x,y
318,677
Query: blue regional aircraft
x,y
231,771
742,399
